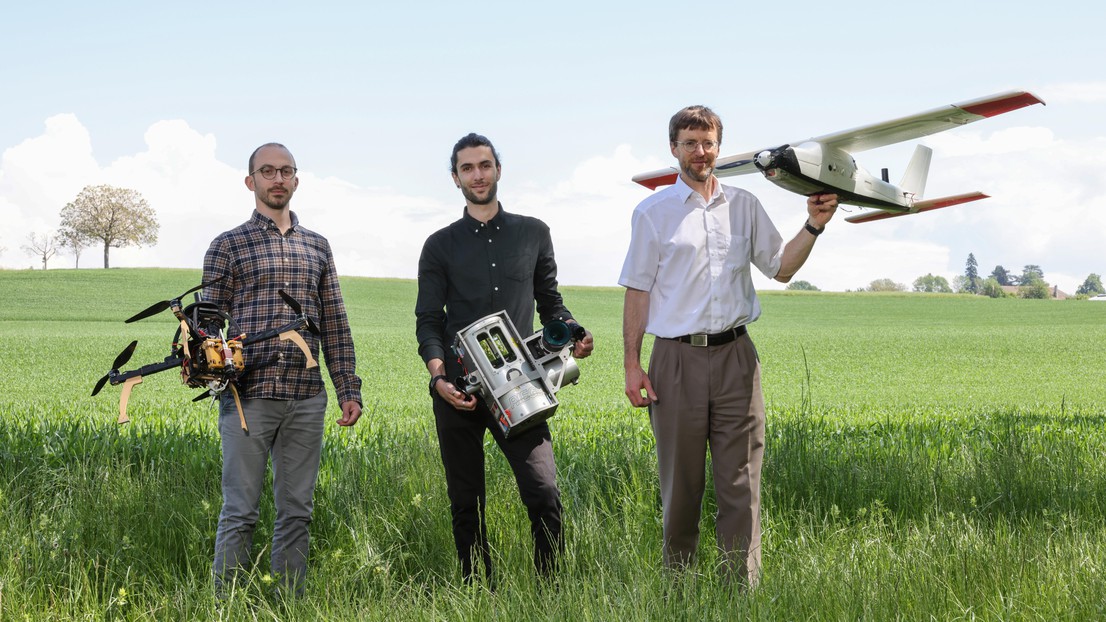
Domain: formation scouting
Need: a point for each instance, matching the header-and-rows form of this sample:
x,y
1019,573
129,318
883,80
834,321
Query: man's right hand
x,y
454,396
636,382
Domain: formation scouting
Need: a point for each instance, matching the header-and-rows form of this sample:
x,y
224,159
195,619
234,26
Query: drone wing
x,y
926,123
874,135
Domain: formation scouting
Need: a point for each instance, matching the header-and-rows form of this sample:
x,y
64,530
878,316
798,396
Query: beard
x,y
701,176
277,203
471,197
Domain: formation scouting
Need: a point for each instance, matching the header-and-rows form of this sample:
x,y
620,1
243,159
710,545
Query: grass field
x,y
929,457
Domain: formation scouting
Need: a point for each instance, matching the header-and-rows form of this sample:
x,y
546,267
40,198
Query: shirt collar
x,y
265,222
497,221
684,191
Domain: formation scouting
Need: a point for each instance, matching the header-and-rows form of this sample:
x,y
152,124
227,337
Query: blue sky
x,y
171,99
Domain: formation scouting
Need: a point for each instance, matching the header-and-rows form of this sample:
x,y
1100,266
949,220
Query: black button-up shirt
x,y
471,269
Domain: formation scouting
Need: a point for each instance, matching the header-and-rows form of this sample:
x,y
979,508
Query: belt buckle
x,y
699,340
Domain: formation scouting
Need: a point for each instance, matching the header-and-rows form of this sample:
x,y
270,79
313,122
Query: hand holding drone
x,y
208,348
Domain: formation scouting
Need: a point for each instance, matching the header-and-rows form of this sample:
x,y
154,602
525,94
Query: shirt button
x,y
493,265
489,240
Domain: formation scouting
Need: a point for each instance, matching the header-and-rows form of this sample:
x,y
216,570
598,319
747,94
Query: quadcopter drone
x,y
207,347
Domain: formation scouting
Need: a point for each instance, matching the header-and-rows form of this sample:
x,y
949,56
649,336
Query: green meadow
x,y
929,457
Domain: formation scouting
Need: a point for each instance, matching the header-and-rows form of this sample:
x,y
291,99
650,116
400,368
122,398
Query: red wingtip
x,y
653,183
1000,105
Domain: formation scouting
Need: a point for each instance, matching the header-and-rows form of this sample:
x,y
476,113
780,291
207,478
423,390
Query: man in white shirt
x,y
688,282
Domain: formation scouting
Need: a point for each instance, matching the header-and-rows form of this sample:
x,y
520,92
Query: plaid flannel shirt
x,y
257,261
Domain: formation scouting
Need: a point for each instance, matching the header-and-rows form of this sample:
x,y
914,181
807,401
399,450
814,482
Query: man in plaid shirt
x,y
284,403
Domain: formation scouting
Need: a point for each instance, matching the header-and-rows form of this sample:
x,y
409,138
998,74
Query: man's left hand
x,y
351,412
583,347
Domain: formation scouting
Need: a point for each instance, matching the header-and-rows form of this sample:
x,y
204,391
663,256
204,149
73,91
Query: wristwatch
x,y
434,381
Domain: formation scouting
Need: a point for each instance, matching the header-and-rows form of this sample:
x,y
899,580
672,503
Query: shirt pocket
x,y
738,256
519,266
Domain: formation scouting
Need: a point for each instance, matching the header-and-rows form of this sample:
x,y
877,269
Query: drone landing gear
x,y
296,338
125,396
241,415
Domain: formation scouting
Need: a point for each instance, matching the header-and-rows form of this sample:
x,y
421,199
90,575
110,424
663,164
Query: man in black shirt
x,y
486,262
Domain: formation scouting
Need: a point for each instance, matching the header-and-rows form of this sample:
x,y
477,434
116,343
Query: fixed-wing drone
x,y
207,348
825,164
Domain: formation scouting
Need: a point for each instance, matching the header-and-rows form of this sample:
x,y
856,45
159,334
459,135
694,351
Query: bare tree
x,y
75,242
42,246
116,217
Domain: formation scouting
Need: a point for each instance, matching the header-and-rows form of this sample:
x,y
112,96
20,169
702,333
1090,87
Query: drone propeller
x,y
292,302
120,361
769,157
158,307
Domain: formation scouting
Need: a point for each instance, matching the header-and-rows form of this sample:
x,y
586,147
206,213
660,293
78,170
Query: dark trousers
x,y
530,455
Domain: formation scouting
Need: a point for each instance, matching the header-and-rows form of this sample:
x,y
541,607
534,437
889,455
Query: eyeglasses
x,y
270,172
689,146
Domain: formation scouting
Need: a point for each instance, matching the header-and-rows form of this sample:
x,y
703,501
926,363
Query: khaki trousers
x,y
709,397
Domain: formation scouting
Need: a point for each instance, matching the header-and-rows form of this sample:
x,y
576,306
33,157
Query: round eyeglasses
x,y
270,172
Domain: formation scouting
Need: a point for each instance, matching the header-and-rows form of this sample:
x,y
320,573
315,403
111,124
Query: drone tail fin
x,y
917,172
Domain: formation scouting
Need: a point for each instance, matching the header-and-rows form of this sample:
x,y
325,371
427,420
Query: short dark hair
x,y
471,140
694,118
254,154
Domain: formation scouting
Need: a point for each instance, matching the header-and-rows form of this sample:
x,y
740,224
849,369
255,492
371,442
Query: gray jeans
x,y
292,433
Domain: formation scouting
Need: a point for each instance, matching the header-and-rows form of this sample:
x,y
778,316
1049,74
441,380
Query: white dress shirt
x,y
693,257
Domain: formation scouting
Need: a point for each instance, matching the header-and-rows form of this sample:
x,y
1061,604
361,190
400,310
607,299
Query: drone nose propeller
x,y
767,158
120,361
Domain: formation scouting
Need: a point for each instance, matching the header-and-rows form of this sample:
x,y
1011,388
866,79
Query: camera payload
x,y
517,378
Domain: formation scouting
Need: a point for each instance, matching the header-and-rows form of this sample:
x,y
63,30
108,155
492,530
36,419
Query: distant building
x,y
1057,293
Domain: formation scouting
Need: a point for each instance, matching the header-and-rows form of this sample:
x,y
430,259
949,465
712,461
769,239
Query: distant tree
x,y
1092,286
1035,288
992,289
1030,273
932,284
116,217
69,238
802,286
1002,276
971,273
42,246
884,285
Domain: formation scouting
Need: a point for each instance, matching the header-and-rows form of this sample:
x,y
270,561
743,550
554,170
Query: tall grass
x,y
928,457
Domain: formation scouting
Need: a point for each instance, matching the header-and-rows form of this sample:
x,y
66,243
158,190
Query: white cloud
x,y
1048,207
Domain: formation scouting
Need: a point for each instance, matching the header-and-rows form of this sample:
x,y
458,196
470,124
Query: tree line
x,y
1030,283
102,216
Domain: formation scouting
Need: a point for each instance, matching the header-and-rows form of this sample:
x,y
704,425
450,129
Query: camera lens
x,y
555,336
